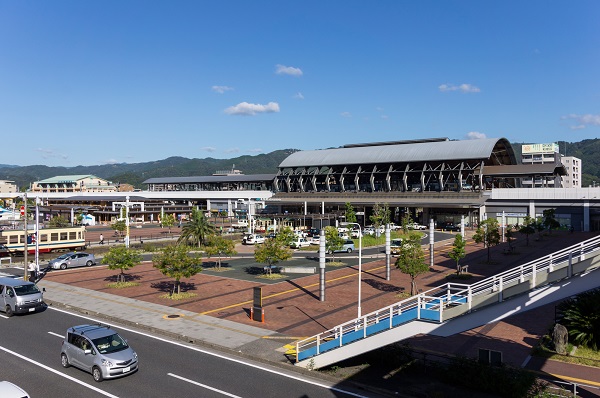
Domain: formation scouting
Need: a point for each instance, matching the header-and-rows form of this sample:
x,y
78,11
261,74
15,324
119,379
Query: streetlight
x,y
359,260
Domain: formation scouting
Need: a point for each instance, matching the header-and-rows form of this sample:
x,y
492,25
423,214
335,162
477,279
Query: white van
x,y
20,297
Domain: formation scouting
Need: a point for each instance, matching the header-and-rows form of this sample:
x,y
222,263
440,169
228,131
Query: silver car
x,y
98,350
73,259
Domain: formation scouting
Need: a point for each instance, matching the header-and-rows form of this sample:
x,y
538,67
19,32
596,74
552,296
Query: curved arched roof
x,y
409,152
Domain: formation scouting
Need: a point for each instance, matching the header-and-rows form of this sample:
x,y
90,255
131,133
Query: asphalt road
x,y
30,353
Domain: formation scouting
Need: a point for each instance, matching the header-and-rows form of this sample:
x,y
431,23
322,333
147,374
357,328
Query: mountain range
x,y
136,173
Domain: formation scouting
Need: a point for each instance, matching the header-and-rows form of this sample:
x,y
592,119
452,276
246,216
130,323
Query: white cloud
x,y
465,88
232,150
111,161
298,95
475,135
221,89
288,70
51,154
247,109
208,149
346,114
255,150
583,120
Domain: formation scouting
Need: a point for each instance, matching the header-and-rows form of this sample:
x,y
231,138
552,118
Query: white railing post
x,y
341,336
470,298
365,328
441,309
500,288
391,316
522,274
581,253
533,275
419,307
550,266
319,343
570,266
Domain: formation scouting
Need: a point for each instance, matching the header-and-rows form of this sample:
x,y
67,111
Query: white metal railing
x,y
432,304
9,258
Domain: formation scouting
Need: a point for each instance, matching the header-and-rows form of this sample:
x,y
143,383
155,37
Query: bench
x,y
463,268
299,270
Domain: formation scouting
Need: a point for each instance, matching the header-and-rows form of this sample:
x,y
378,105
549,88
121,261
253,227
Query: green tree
x,y
175,262
58,222
168,221
197,230
122,258
581,316
119,226
528,228
411,260
540,227
549,220
272,252
350,213
286,236
380,216
333,241
458,251
218,245
79,218
405,222
488,233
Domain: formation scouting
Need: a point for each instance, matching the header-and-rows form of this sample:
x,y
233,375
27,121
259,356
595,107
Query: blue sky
x,y
97,82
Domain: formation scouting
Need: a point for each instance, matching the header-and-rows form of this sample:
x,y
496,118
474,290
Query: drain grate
x,y
173,316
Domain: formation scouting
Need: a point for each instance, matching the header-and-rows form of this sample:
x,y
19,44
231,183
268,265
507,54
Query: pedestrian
x,y
101,239
32,271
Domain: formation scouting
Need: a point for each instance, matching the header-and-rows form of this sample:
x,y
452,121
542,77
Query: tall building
x,y
573,177
541,154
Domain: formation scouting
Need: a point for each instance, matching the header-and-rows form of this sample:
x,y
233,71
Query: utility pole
x,y
25,265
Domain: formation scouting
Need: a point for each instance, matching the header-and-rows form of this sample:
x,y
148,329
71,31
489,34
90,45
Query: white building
x,y
573,177
7,186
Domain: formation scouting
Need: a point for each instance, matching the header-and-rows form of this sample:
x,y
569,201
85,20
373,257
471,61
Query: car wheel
x,y
64,361
89,263
9,311
97,374
349,250
63,266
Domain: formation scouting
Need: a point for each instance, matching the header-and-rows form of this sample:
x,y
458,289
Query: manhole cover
x,y
173,316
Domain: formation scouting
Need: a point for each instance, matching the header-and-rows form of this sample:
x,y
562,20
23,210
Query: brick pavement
x,y
293,308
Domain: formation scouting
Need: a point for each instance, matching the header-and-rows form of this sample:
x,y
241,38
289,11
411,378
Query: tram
x,y
49,239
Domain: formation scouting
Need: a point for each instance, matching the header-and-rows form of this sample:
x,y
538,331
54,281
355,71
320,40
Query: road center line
x,y
57,372
56,334
203,385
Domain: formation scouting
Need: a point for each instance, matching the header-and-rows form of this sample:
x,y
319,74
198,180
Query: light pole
x,y
359,261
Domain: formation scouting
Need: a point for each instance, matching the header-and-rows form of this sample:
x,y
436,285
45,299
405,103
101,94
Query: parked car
x,y
299,242
313,232
417,226
355,233
369,231
73,259
10,390
395,246
315,240
347,247
450,226
253,239
344,235
271,235
98,350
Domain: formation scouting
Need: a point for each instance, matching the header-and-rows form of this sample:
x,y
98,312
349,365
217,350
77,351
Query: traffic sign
x,y
22,210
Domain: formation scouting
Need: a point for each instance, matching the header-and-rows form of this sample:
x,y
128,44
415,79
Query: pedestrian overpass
x,y
454,307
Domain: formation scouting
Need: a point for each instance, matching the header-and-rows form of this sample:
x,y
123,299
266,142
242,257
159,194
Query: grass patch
x,y
222,269
402,295
178,296
581,355
121,285
335,263
272,276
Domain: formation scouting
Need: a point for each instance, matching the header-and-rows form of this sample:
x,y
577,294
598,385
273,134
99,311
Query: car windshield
x,y
396,242
108,344
24,290
64,256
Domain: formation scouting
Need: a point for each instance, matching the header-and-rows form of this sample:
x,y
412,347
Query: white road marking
x,y
57,372
203,386
56,334
261,367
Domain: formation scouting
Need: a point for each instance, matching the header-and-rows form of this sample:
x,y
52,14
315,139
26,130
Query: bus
x,y
49,239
